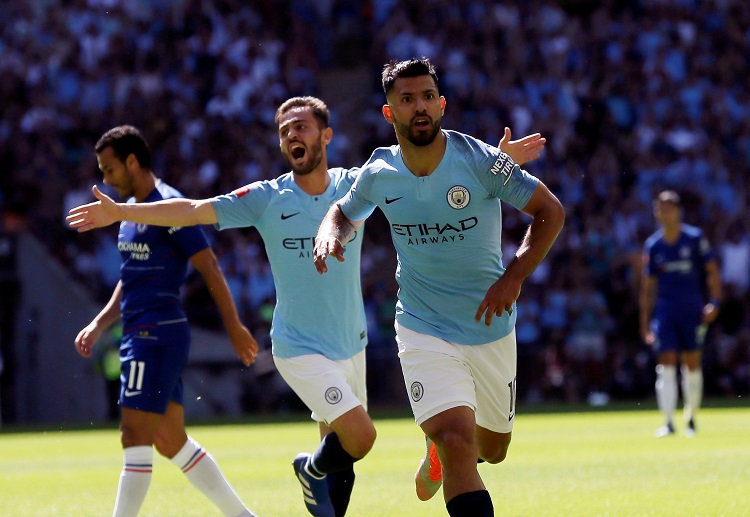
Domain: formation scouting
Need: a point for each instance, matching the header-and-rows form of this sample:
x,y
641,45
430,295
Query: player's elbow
x,y
556,212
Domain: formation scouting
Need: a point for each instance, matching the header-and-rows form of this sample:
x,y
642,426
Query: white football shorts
x,y
440,375
328,388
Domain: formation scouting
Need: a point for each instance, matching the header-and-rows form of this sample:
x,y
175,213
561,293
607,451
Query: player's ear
x,y
327,135
131,162
387,113
442,104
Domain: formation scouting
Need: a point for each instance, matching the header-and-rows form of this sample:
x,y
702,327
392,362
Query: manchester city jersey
x,y
679,268
314,314
154,263
446,228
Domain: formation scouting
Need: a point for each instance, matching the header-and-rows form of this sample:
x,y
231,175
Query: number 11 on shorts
x,y
135,379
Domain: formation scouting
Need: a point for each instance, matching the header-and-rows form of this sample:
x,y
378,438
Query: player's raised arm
x,y
334,232
524,150
170,212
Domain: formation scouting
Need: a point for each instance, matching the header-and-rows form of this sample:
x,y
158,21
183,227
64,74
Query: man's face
x,y
667,214
116,173
301,140
415,109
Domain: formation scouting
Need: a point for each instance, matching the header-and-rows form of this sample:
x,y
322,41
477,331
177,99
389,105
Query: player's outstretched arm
x,y
524,150
93,215
242,340
169,212
334,232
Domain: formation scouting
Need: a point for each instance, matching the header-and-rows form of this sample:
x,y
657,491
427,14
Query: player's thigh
x,y
324,385
436,375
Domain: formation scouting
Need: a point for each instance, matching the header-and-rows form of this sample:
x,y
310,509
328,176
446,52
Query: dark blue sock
x,y
471,504
331,456
340,485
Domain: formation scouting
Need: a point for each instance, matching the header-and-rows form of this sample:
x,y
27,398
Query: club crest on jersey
x,y
458,197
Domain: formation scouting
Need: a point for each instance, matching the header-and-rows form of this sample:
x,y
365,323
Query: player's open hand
x,y
244,345
93,215
86,339
527,149
499,299
325,246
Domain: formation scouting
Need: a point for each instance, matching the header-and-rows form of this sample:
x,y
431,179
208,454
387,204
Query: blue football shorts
x,y
678,330
152,358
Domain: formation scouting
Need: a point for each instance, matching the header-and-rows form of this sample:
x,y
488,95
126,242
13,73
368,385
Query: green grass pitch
x,y
589,463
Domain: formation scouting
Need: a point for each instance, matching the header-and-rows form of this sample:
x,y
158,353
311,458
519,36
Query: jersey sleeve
x,y
357,204
242,207
189,239
502,177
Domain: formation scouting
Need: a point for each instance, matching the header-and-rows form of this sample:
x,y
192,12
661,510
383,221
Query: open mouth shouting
x,y
297,151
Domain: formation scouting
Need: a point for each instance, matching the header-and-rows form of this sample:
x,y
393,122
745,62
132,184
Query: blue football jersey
x,y
679,268
154,264
446,228
314,314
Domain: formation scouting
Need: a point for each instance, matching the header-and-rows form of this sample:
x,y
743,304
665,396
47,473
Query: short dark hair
x,y
319,109
124,141
668,196
410,68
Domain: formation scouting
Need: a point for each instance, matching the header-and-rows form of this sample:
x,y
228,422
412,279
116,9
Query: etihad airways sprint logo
x,y
137,250
434,233
303,246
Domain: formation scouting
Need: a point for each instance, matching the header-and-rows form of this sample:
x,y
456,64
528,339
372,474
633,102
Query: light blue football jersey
x,y
314,314
446,228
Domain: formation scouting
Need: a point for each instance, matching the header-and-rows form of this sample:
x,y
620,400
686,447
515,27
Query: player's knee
x,y
361,443
168,446
133,436
496,454
455,443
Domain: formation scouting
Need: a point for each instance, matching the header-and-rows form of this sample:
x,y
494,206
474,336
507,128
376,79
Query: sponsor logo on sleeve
x,y
505,166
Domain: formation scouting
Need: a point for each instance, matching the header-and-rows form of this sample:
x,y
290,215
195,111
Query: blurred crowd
x,y
633,97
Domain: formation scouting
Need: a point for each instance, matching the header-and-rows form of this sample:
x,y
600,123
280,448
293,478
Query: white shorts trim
x,y
328,388
440,375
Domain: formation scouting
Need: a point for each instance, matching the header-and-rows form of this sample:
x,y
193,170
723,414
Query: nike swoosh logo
x,y
129,393
284,217
389,201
